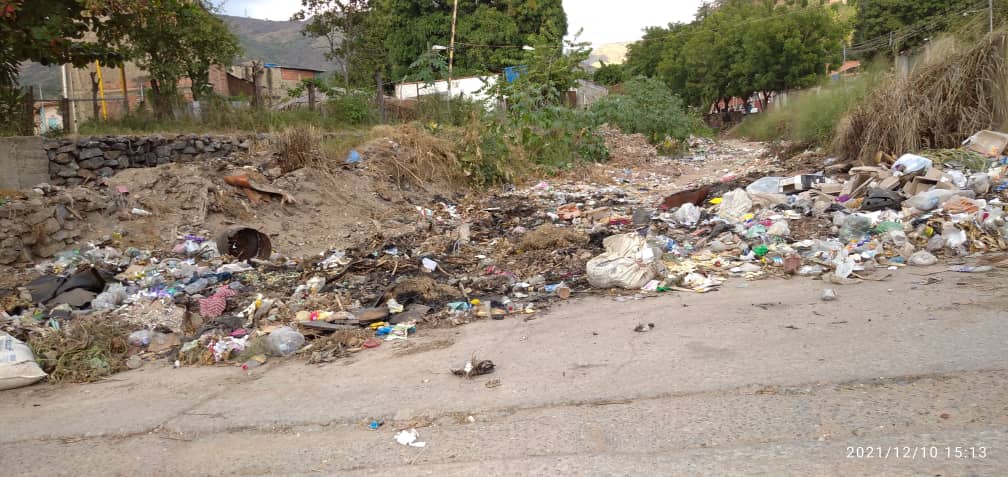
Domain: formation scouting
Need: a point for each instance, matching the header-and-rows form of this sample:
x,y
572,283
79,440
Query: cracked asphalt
x,y
901,377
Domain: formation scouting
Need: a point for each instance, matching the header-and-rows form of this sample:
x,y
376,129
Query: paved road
x,y
764,379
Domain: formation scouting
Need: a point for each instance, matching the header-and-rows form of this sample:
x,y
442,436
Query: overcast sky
x,y
604,21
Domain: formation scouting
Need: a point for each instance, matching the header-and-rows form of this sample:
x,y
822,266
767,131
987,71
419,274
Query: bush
x,y
354,108
648,107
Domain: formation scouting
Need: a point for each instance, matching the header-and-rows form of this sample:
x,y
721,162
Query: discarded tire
x,y
244,243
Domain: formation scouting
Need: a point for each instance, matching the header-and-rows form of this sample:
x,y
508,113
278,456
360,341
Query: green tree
x,y
549,72
172,40
344,27
429,67
738,47
609,74
876,19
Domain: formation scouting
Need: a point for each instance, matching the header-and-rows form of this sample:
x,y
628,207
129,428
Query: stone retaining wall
x,y
72,161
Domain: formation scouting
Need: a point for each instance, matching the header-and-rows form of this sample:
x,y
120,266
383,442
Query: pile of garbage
x,y
232,297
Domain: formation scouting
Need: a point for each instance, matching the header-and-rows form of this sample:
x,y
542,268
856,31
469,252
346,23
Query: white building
x,y
477,88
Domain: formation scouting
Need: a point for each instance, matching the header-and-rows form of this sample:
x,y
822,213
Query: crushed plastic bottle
x,y
810,271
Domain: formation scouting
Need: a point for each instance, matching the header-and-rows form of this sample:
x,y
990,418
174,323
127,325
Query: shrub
x,y
648,107
354,108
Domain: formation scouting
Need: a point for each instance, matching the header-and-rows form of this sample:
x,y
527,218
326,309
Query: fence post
x,y
311,96
379,95
64,107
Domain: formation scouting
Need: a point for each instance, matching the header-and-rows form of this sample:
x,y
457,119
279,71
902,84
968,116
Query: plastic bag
x,y
930,200
284,341
687,214
766,185
855,227
779,229
844,264
734,205
628,262
110,298
908,163
979,183
958,178
922,259
954,238
17,364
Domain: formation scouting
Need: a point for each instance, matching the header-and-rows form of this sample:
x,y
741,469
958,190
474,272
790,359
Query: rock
x,y
87,174
69,170
48,250
112,155
89,153
189,150
111,163
51,225
162,152
106,172
118,146
74,181
93,163
39,216
63,158
68,148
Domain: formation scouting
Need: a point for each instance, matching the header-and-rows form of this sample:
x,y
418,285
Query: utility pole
x,y
451,50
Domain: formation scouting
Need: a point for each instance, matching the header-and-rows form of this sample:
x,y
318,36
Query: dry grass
x,y
410,156
84,351
300,147
937,106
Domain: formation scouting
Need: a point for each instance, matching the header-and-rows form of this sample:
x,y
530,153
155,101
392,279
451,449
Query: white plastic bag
x,y
766,185
844,264
628,262
908,163
687,214
779,229
734,205
17,364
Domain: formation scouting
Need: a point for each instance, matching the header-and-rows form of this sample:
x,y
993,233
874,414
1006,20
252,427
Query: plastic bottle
x,y
284,341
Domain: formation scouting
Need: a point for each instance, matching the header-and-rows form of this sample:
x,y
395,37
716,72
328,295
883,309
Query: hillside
x,y
610,53
277,42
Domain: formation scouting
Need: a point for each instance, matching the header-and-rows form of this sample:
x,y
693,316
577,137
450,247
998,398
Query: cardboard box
x,y
831,189
796,184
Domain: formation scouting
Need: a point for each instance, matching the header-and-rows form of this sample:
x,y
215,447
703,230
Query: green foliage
x,y
810,116
175,39
353,108
648,107
549,73
610,74
343,24
428,68
742,47
489,35
435,110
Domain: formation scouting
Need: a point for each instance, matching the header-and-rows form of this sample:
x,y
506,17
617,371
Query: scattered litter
x,y
408,437
474,367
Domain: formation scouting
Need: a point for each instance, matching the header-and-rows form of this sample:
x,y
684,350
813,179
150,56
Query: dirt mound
x,y
627,149
551,237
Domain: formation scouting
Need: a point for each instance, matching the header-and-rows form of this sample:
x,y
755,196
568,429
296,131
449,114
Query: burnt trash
x,y
474,367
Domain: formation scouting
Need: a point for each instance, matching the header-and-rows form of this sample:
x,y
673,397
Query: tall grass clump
x,y
938,105
810,116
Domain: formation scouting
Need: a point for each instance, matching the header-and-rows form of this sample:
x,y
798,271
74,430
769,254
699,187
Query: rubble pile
x,y
230,291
